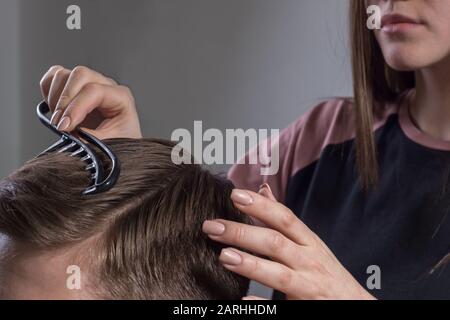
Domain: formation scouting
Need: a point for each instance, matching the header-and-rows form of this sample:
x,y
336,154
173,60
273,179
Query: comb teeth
x,y
77,152
58,144
68,147
79,146
86,158
80,151
90,167
61,142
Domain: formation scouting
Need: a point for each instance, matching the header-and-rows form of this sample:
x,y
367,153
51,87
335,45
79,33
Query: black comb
x,y
77,148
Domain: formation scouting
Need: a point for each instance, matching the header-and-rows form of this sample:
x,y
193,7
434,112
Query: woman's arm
x,y
86,98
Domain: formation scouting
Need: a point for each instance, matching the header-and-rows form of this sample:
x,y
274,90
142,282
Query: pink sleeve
x,y
299,146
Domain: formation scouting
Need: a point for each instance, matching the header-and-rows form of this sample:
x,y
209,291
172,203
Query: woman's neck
x,y
430,105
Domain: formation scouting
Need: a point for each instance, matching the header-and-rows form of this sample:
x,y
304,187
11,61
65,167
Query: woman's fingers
x,y
111,101
265,191
92,96
56,88
74,83
88,99
47,80
274,215
261,241
269,273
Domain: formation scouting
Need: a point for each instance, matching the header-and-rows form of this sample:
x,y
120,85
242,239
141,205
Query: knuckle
x,y
276,242
55,68
314,288
47,76
239,235
127,93
285,279
317,267
316,241
253,266
80,71
59,73
287,219
111,81
318,292
44,80
126,90
92,87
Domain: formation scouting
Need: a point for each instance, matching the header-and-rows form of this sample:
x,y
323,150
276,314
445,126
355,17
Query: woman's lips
x,y
395,23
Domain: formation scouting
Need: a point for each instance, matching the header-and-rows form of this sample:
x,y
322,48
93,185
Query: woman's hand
x,y
83,97
300,265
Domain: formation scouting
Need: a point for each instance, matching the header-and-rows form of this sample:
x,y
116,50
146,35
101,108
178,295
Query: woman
x,y
369,176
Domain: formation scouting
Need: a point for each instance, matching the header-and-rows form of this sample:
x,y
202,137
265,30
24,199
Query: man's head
x,y
140,240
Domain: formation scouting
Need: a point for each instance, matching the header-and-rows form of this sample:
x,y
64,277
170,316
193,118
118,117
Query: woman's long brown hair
x,y
374,84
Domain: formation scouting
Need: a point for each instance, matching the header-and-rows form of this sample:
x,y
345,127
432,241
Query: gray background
x,y
230,63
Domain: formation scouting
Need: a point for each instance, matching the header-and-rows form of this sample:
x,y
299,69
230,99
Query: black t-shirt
x,y
401,227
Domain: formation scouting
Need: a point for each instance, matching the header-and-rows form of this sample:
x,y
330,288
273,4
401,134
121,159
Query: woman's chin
x,y
407,58
405,62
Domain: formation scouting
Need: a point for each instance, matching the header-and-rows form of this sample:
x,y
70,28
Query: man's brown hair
x,y
143,238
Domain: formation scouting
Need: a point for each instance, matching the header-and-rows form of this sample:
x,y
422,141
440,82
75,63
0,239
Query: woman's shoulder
x,y
333,121
297,146
329,121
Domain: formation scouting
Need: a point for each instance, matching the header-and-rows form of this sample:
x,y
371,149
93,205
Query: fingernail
x,y
64,123
230,257
265,186
251,298
241,197
265,190
213,228
54,116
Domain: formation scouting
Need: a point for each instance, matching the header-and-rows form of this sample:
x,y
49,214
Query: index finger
x,y
273,214
78,78
107,99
